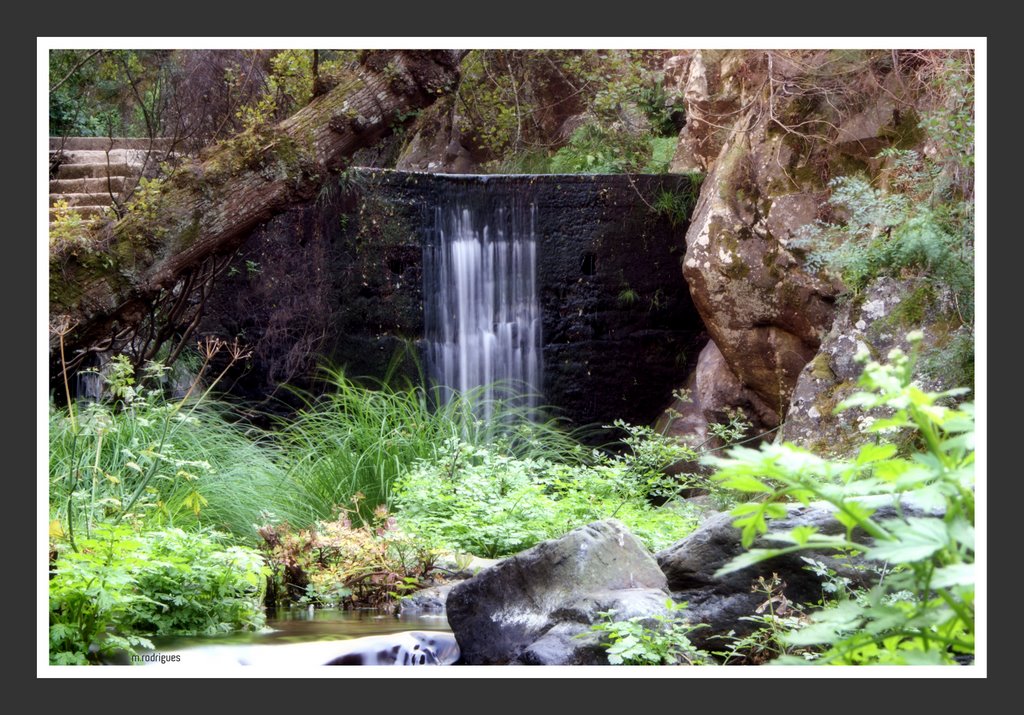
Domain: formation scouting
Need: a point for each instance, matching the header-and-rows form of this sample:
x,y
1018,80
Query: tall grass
x,y
357,438
206,470
193,465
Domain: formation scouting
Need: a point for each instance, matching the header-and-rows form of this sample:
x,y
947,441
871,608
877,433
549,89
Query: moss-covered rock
x,y
877,321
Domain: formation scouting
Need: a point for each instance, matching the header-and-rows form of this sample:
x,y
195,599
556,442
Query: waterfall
x,y
483,321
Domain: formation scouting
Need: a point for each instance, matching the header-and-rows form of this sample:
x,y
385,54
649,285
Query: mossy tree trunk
x,y
207,208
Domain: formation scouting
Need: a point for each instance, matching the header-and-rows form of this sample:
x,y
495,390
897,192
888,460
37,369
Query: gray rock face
x,y
878,320
529,608
720,602
766,314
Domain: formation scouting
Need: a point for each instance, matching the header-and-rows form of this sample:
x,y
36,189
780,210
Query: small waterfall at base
x,y
483,320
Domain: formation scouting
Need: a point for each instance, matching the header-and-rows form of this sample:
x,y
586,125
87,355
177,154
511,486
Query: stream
x,y
300,637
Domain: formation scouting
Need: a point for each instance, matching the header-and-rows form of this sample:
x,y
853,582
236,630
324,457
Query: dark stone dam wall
x,y
341,281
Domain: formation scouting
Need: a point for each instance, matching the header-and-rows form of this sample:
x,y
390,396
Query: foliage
x,y
650,640
337,563
677,206
291,79
627,296
888,231
359,439
923,612
120,583
918,216
511,102
662,149
105,93
593,149
196,585
146,201
486,501
195,97
772,620
90,591
70,232
179,463
951,123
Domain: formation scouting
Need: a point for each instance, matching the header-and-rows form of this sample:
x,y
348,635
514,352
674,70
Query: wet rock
x,y
721,602
530,607
429,601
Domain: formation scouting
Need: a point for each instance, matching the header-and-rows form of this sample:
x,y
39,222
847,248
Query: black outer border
x,y
474,20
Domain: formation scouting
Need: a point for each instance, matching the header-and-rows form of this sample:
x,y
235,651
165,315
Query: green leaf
x,y
801,534
962,532
913,540
929,499
853,514
928,657
875,453
953,575
745,483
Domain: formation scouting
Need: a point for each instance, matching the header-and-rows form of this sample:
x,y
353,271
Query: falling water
x,y
483,319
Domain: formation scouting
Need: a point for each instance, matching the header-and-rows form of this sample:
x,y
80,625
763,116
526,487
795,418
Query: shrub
x,y
922,612
337,563
359,439
119,585
179,464
483,500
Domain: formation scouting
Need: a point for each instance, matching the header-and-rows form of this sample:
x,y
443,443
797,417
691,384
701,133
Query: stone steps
x,y
104,143
101,185
75,200
94,171
116,156
90,169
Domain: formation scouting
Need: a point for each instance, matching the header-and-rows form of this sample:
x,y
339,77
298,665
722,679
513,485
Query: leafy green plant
x,y
594,149
650,640
483,500
91,590
195,584
923,611
627,297
508,99
677,206
773,620
120,585
146,200
70,232
358,438
662,149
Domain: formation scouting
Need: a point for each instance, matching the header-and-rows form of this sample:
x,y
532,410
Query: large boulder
x,y
766,315
721,602
437,144
771,142
537,607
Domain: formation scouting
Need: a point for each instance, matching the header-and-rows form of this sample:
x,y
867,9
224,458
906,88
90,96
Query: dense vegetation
x,y
352,501
173,515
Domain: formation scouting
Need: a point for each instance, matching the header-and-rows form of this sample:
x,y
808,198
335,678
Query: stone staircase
x,y
89,173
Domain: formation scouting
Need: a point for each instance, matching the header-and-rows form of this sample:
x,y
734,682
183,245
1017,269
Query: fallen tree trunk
x,y
207,208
